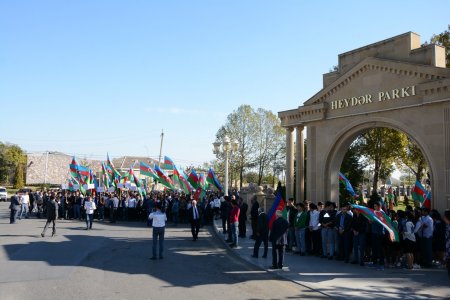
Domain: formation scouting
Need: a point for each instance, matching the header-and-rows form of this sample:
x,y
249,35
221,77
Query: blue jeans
x,y
300,238
89,218
234,232
77,211
24,210
328,241
158,233
359,245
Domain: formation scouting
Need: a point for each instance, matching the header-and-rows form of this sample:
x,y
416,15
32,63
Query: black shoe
x,y
273,268
280,267
161,257
153,257
264,256
228,241
254,256
53,233
354,262
86,228
233,245
42,234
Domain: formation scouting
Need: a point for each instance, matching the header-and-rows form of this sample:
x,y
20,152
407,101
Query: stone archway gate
x,y
393,83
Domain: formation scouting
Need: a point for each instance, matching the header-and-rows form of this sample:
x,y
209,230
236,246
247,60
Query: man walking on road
x,y
52,215
15,208
194,219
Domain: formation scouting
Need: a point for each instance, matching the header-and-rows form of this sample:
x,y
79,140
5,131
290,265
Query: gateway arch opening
x,y
386,164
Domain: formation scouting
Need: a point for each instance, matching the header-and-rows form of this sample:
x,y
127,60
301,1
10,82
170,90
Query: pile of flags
x,y
82,178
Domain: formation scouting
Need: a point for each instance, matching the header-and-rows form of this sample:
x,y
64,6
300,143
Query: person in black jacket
x,y
14,206
242,218
254,213
344,226
194,216
261,233
360,226
278,238
292,214
52,215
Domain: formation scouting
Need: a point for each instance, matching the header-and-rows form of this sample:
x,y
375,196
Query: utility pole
x,y
160,148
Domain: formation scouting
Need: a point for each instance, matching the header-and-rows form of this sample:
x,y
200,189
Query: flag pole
x,y
160,148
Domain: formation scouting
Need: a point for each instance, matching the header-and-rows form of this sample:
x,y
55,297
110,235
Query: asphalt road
x,y
112,261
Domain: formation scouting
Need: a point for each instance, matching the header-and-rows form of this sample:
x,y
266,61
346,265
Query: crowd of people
x,y
304,228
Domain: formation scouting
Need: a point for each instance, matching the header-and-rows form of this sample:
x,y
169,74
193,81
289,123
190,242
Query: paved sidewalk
x,y
339,280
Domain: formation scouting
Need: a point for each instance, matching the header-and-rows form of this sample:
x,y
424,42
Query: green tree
x,y
19,177
381,146
11,157
443,39
411,156
239,127
268,140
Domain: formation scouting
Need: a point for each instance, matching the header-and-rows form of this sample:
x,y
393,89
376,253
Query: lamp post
x,y
227,147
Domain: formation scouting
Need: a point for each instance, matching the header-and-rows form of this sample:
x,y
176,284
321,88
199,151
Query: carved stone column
x,y
300,166
289,162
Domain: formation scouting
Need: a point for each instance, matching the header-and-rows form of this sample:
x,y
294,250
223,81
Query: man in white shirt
x,y
25,203
159,224
89,207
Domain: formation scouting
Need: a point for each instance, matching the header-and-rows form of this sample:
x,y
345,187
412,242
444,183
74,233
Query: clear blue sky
x,y
91,77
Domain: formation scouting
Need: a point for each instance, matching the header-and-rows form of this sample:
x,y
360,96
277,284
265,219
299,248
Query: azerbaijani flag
x,y
193,179
168,163
212,179
278,204
116,174
163,178
146,170
380,217
187,187
348,185
78,170
427,200
418,193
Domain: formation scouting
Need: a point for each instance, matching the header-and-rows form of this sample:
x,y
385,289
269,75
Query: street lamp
x,y
227,147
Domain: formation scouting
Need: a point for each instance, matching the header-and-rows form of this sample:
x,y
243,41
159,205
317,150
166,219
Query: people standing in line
x,y
447,239
194,219
278,238
223,215
377,240
114,204
52,215
14,206
314,228
77,206
243,207
409,240
328,232
344,226
291,215
234,223
261,233
254,214
89,207
159,219
300,224
424,227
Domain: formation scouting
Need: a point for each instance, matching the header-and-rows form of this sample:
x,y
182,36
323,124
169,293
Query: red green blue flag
x,y
163,178
380,217
347,184
418,193
193,179
278,204
427,200
168,163
146,170
212,179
